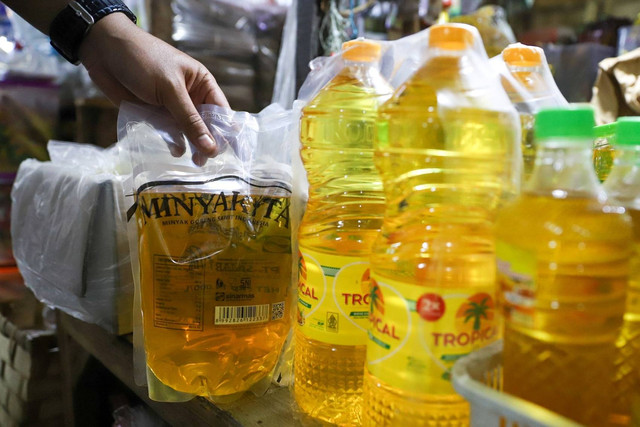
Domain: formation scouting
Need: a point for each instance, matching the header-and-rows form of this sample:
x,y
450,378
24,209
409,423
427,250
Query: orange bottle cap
x,y
361,50
450,37
522,55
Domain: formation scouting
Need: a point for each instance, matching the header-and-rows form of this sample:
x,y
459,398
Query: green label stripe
x,y
411,304
452,357
306,304
360,314
329,271
379,342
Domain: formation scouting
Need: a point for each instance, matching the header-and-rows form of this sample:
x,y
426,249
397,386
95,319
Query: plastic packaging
x,y
623,185
284,86
69,234
563,260
603,149
343,218
448,152
213,250
534,88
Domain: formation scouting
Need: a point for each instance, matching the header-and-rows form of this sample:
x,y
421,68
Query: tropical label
x,y
516,272
417,333
333,297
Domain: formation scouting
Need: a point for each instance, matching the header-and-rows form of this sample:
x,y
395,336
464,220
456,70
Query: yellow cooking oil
x,y
342,219
603,149
215,273
563,259
447,157
528,66
623,185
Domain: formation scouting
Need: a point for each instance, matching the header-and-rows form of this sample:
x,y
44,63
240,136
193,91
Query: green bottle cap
x,y
574,122
607,131
628,131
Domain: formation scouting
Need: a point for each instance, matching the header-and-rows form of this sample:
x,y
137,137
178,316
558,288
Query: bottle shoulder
x,y
351,90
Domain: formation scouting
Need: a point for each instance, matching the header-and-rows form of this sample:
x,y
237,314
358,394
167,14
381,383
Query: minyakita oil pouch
x,y
214,249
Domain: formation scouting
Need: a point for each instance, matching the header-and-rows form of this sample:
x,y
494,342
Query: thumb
x,y
184,112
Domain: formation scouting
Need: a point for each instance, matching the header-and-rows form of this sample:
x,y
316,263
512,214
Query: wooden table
x,y
116,354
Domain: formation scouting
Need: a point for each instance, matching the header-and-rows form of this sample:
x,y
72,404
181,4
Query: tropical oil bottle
x,y
563,259
623,185
447,150
527,64
343,217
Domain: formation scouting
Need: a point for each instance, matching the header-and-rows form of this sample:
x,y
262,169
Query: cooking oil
x,y
448,153
342,219
563,258
528,66
623,185
215,271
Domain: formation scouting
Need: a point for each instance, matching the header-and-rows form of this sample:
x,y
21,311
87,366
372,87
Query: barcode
x,y
241,314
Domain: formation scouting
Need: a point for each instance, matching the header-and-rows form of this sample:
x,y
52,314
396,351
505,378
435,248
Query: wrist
x,y
74,23
103,33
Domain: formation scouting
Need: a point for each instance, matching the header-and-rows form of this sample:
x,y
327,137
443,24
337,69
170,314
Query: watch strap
x,y
70,26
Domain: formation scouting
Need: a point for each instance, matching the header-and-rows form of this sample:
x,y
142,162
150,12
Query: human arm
x,y
127,63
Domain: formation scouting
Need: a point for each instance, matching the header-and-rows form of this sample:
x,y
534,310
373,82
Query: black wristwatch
x,y
70,26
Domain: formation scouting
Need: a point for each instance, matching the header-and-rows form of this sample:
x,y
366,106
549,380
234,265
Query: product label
x,y
516,272
418,333
333,297
207,260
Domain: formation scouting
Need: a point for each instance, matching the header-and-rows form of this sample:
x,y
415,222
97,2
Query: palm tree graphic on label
x,y
476,311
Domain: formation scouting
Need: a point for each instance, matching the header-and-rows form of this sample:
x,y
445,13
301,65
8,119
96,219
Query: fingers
x,y
199,159
182,109
213,93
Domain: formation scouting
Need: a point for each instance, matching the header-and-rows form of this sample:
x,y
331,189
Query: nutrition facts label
x,y
178,294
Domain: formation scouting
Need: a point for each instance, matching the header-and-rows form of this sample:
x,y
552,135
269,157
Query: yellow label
x,y
516,273
333,297
417,333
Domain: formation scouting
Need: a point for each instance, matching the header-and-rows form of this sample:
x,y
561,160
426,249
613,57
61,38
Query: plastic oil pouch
x,y
214,249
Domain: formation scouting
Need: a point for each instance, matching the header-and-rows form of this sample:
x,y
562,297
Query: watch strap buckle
x,y
82,13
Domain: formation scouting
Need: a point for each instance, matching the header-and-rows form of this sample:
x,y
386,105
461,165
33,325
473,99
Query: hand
x,y
127,63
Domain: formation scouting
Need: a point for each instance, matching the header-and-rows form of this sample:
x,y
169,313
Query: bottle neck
x,y
366,72
627,155
564,168
623,183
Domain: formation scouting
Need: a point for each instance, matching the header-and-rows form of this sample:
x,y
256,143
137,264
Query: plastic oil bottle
x,y
343,217
623,185
447,150
563,257
603,151
527,64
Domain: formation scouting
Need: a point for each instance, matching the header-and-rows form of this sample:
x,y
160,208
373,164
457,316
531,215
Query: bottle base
x,y
387,406
328,380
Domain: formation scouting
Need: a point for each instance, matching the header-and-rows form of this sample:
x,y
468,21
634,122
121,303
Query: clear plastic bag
x,y
69,234
212,251
526,77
